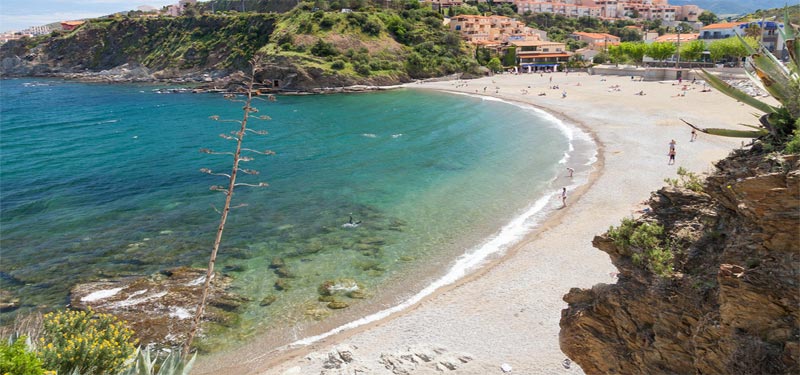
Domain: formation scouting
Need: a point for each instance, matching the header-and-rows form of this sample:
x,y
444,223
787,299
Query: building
x,y
612,9
491,29
178,9
596,40
771,36
535,55
675,38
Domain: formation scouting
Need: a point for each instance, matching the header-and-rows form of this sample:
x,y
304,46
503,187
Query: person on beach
x,y
563,197
570,171
671,156
694,135
672,144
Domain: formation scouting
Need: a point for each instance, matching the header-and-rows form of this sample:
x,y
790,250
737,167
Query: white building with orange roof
x,y
673,38
596,40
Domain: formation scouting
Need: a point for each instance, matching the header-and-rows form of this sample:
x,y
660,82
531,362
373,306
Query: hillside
x,y
304,49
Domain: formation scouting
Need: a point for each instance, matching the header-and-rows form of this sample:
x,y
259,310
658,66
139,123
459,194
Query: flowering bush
x,y
85,342
15,359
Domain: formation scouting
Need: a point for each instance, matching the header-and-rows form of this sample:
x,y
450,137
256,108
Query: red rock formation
x,y
731,304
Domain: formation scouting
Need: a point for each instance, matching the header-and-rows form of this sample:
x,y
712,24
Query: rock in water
x,y
159,308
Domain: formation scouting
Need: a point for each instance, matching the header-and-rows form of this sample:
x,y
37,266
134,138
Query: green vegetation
x,y
644,242
686,179
85,342
172,364
16,359
81,343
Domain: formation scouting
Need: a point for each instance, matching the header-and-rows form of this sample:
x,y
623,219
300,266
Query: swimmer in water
x,y
351,224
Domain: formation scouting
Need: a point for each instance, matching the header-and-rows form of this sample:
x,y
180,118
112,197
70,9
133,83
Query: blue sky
x,y
20,14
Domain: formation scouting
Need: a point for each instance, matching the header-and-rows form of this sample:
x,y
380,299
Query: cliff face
x,y
731,304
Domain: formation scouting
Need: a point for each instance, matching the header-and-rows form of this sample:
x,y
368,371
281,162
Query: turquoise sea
x,y
101,181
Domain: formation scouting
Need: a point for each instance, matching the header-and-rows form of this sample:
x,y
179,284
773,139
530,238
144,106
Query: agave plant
x,y
781,81
173,364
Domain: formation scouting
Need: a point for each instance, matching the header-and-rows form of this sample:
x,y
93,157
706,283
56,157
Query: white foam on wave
x,y
369,135
467,262
100,294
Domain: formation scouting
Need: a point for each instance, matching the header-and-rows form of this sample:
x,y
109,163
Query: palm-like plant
x,y
781,81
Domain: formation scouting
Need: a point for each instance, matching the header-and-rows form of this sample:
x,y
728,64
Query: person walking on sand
x,y
694,135
672,144
570,171
671,156
563,197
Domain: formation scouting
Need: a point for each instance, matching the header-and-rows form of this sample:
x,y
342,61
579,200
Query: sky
x,y
21,14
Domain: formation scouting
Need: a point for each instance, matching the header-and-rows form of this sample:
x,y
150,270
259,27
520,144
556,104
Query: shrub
x,y
644,243
371,27
17,360
338,65
85,342
327,22
689,180
361,68
323,49
793,146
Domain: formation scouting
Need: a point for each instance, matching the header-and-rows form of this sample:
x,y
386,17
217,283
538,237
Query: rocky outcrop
x,y
731,303
160,307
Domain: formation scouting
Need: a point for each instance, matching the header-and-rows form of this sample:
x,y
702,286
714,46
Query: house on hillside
x,y
492,29
596,40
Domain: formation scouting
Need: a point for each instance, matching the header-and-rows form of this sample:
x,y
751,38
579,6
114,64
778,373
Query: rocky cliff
x,y
304,49
728,301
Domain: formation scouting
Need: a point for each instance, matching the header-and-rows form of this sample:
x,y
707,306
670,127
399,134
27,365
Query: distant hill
x,y
794,14
735,6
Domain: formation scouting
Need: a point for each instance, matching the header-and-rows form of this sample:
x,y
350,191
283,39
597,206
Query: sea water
x,y
103,181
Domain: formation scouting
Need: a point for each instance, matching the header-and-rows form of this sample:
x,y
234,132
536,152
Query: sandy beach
x,y
504,318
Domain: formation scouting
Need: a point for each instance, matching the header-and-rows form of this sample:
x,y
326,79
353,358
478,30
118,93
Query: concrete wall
x,y
663,74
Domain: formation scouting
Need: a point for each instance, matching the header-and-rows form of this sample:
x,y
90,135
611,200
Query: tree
x,y
634,50
495,65
753,31
661,50
707,18
616,53
510,58
238,137
693,50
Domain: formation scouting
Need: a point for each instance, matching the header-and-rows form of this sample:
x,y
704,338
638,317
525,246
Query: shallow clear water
x,y
102,180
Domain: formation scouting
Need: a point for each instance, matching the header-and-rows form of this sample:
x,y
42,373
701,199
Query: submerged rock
x,y
282,284
277,262
160,307
8,301
338,286
268,300
337,305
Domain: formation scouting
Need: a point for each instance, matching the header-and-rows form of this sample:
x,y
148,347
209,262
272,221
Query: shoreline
x,y
475,260
379,337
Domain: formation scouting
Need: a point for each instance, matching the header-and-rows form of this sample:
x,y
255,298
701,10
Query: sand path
x,y
509,312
